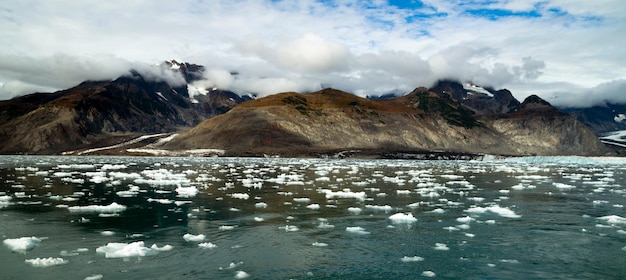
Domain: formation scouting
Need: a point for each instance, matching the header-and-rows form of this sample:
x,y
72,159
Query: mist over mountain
x,y
98,113
174,97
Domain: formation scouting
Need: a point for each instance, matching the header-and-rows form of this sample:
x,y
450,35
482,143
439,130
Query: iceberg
x,y
128,250
22,244
45,262
411,259
403,218
107,209
194,238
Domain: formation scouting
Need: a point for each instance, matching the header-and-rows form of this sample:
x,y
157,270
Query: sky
x,y
570,52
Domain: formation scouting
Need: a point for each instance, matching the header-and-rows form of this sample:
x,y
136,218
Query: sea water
x,y
236,218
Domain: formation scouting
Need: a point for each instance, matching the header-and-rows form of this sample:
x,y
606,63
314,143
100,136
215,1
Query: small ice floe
x,y
301,199
207,245
106,209
94,277
45,262
562,186
232,265
259,219
194,238
465,220
357,230
22,244
400,218
325,225
613,219
260,205
346,193
502,211
128,250
428,273
107,233
186,191
385,208
241,274
313,206
355,210
411,259
4,201
226,227
320,244
289,228
441,247
243,196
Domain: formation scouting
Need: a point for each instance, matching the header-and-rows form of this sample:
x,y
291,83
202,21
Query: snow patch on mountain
x,y
474,88
620,118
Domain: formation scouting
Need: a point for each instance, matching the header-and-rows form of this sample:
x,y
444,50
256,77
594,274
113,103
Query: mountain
x,y
607,121
601,119
450,117
100,113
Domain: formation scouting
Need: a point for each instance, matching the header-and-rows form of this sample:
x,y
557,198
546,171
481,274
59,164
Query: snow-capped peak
x,y
475,88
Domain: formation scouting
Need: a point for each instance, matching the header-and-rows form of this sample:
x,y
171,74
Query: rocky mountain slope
x,y
101,113
449,117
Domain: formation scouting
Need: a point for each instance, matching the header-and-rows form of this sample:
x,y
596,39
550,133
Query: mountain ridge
x,y
293,124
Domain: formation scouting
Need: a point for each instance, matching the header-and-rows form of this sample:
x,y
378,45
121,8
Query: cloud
x,y
544,47
310,53
611,92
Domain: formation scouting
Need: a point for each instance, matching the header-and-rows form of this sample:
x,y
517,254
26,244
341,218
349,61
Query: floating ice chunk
x,y
441,247
325,225
313,206
207,245
357,230
126,250
355,210
243,196
562,186
194,238
613,219
94,277
385,208
241,275
344,194
231,265
45,262
502,211
258,219
260,205
107,233
402,218
428,273
289,228
438,211
162,249
403,192
319,244
186,191
465,220
4,201
302,199
161,200
411,259
226,227
22,244
110,209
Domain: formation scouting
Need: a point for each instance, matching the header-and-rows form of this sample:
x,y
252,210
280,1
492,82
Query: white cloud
x,y
368,47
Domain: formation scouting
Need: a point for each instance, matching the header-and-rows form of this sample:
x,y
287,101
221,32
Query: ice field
x,y
236,218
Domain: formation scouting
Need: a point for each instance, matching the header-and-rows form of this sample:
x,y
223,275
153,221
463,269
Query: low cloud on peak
x,y
366,47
